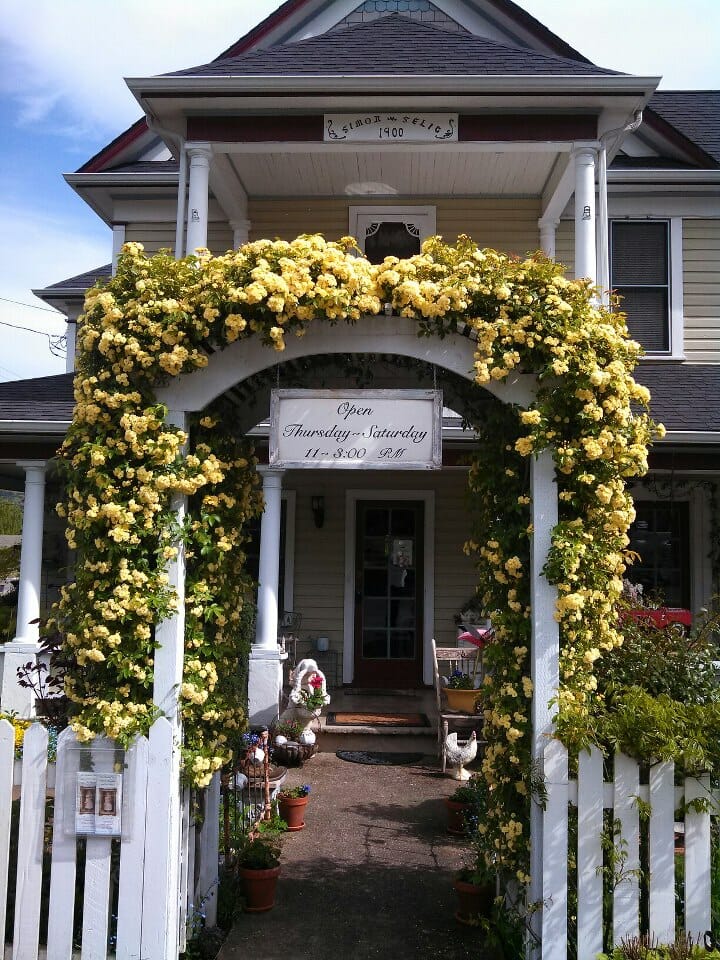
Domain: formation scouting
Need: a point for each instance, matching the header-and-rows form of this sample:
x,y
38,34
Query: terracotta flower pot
x,y
474,902
259,888
292,811
456,816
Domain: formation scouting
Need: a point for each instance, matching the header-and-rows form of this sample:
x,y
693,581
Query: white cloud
x,y
73,55
677,41
41,250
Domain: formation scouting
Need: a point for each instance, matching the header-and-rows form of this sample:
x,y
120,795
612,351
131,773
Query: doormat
x,y
347,718
378,758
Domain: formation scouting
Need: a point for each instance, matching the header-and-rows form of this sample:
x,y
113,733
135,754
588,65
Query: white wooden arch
x,y
396,336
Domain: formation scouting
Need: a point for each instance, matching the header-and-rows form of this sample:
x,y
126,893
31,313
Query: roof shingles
x,y
695,113
394,45
41,398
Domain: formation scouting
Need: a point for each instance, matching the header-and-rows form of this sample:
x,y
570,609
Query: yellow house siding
x,y
701,290
158,236
509,225
504,224
565,246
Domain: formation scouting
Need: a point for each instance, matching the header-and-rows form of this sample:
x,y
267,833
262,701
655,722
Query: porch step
x,y
372,730
400,739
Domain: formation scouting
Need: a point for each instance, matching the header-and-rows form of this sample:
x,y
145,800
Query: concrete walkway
x,y
370,875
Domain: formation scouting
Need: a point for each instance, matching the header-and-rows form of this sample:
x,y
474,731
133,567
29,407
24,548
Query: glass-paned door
x,y
389,594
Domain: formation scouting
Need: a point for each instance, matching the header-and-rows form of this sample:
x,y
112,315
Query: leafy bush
x,y
666,660
659,694
647,948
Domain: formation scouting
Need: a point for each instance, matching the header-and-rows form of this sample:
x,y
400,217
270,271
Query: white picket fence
x,y
590,795
138,888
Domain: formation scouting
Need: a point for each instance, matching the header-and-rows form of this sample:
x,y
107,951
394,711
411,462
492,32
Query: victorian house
x,y
392,121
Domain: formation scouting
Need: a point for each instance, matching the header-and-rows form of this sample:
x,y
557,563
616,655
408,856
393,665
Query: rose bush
x,y
160,317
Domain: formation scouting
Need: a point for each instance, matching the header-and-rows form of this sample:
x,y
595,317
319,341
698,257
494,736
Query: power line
x,y
56,343
32,306
15,326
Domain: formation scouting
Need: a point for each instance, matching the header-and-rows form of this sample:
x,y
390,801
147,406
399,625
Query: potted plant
x,y
291,804
293,743
259,867
475,887
459,806
460,692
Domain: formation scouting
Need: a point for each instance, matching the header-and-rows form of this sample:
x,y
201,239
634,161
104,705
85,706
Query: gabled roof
x,y
695,113
506,9
73,290
82,281
263,32
394,45
44,399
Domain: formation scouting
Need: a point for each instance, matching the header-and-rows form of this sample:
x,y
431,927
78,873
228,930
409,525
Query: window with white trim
x,y
391,231
641,274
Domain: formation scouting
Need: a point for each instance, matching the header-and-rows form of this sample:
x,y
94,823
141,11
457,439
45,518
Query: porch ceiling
x,y
389,173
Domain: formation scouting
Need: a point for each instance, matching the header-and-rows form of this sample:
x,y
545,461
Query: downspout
x,y
603,229
182,181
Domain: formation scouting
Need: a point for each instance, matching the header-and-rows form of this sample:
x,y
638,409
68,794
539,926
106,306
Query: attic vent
x,y
422,10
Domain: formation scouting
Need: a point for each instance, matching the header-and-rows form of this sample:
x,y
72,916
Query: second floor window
x,y
640,257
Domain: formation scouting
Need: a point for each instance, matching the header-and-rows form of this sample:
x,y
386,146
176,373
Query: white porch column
x,y
265,676
241,232
547,236
199,181
545,647
585,256
27,636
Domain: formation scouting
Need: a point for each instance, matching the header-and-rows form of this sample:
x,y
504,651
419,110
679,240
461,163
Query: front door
x,y
389,594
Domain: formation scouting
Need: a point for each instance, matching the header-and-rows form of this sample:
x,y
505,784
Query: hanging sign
x,y
356,429
391,127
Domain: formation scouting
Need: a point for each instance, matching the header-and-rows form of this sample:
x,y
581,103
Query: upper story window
x,y
391,231
641,275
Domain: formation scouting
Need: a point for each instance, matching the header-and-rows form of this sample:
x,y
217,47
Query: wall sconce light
x,y
587,214
318,510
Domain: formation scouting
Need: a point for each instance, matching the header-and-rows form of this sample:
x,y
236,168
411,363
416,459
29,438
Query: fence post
x,y
64,854
132,854
209,844
697,857
555,854
626,898
589,853
161,882
28,887
662,851
7,763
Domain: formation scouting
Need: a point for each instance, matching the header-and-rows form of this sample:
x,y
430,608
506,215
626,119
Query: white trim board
x,y
370,493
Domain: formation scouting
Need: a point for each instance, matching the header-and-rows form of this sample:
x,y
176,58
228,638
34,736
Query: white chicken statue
x,y
458,754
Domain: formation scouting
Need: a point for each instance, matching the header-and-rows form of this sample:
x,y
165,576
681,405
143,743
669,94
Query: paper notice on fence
x,y
85,799
108,804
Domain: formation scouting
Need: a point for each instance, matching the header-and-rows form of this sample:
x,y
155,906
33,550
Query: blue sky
x,y
62,98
